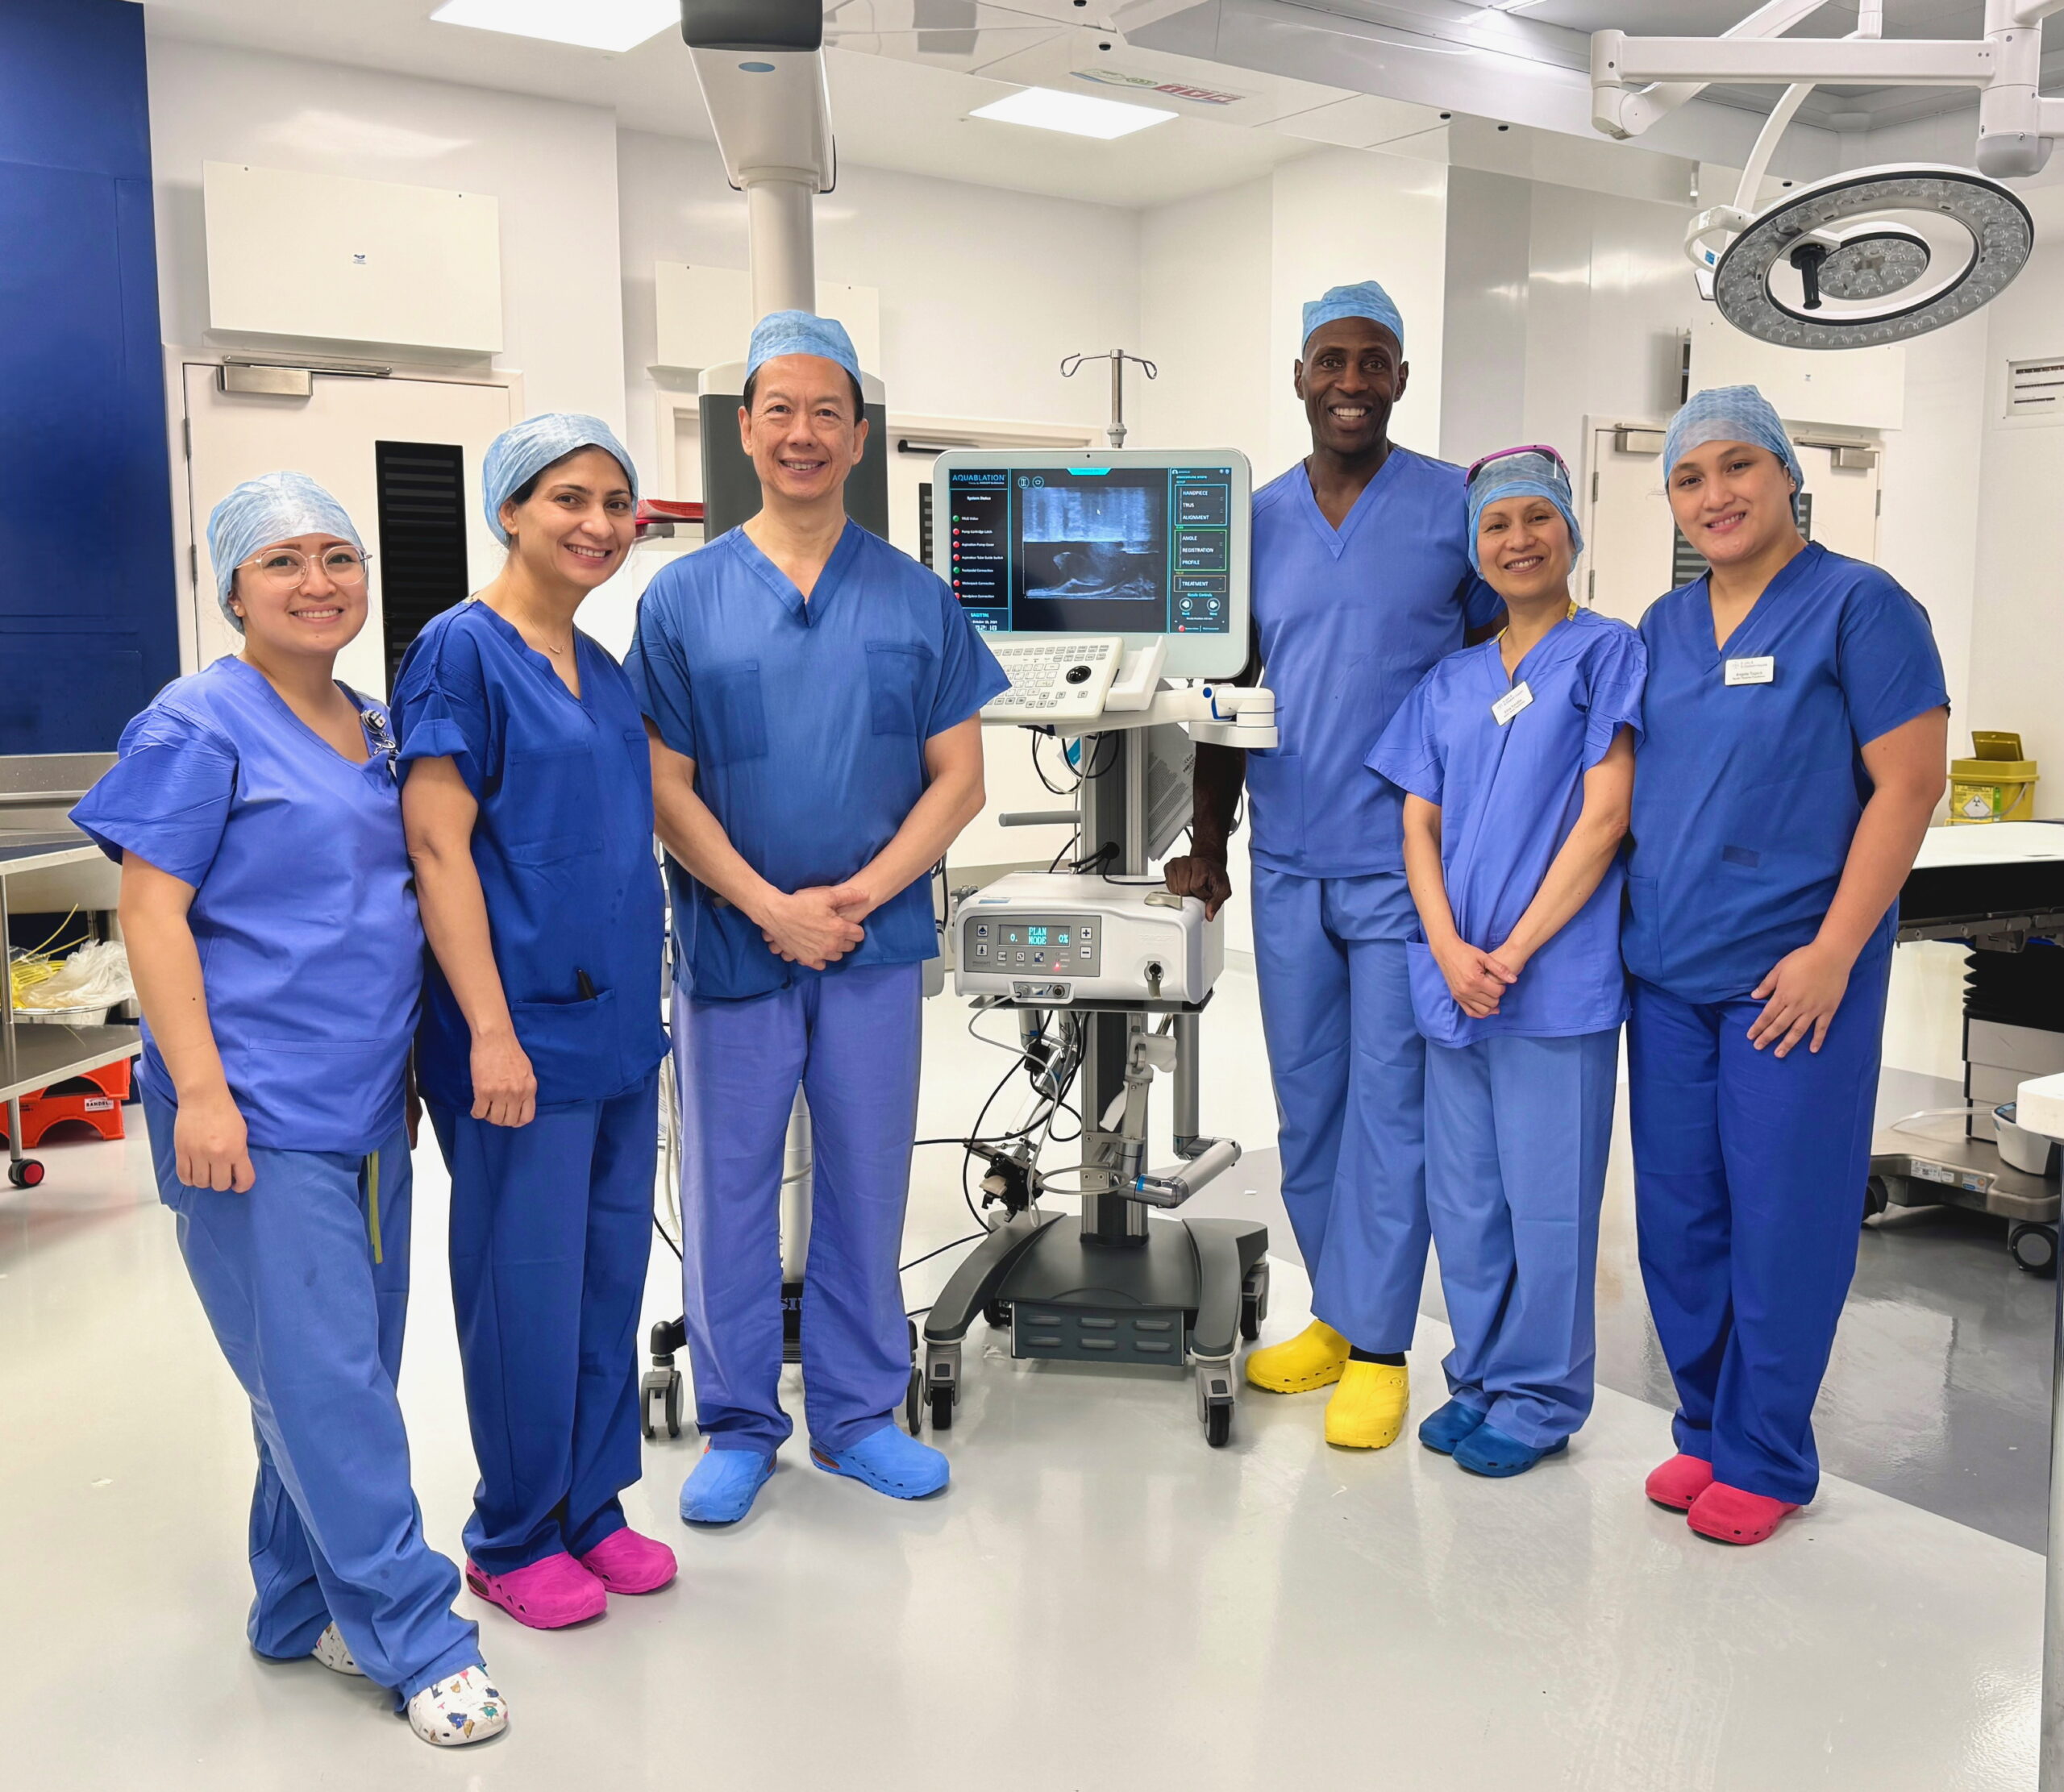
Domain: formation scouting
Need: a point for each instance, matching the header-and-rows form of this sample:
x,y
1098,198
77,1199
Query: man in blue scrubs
x,y
812,695
1362,580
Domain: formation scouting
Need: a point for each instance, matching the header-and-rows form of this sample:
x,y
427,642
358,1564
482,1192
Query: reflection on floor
x,y
1099,1601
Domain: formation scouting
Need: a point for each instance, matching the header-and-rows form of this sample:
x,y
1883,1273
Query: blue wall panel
x,y
88,627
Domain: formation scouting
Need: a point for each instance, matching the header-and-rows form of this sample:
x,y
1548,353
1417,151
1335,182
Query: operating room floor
x,y
1099,1601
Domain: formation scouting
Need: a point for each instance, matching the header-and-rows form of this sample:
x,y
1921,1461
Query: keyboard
x,y
1055,680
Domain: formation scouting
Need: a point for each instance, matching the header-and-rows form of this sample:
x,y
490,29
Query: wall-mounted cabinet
x,y
704,316
328,259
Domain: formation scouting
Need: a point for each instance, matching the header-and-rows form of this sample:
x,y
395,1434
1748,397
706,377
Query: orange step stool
x,y
94,1099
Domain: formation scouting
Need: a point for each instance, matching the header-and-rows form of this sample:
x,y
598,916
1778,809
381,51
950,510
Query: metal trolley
x,y
1995,889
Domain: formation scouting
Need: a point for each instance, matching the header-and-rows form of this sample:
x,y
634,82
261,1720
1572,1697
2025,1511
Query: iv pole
x,y
1117,357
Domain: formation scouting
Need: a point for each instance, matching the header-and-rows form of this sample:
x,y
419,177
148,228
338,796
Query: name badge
x,y
1510,704
1752,672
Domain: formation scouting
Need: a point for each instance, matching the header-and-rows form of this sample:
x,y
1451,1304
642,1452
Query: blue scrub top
x,y
1349,621
1509,797
807,723
1746,795
563,845
304,905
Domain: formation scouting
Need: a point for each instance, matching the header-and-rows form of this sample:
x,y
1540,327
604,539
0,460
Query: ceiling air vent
x,y
2035,390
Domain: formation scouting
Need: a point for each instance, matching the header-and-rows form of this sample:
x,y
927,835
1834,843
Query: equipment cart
x,y
48,867
2000,890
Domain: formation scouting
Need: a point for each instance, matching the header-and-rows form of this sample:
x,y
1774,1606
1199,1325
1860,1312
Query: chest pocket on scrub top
x,y
550,806
895,678
730,713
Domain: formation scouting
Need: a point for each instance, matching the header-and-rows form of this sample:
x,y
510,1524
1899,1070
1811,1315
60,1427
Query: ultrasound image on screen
x,y
1096,546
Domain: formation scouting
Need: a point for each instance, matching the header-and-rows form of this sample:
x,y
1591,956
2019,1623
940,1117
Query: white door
x,y
1627,527
331,437
1843,501
1633,553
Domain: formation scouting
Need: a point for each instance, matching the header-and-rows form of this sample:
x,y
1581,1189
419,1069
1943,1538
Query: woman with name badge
x,y
529,810
1797,726
1516,760
271,924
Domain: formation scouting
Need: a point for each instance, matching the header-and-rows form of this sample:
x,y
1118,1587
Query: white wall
x,y
551,166
1204,293
2017,614
1355,214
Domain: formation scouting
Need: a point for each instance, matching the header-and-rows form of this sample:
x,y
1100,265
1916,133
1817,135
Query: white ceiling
x,y
890,110
1268,79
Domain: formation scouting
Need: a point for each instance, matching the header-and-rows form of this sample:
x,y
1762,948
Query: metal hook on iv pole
x,y
1117,358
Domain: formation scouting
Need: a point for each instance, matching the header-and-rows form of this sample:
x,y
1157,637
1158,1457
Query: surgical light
x,y
1873,256
616,25
1078,114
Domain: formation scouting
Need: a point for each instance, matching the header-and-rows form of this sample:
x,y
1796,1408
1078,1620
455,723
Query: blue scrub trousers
x,y
851,1038
1517,1131
1349,1066
551,1227
1748,1180
311,1324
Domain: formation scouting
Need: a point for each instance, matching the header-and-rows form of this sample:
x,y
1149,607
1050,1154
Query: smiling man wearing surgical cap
x,y
812,694
529,808
1362,580
1796,725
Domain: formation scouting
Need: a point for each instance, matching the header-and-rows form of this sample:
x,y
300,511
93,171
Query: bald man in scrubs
x,y
1362,580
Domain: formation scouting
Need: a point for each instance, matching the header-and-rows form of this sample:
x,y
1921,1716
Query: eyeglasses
x,y
285,569
1540,448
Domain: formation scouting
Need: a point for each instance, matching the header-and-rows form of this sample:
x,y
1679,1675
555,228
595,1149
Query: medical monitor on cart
x,y
1139,542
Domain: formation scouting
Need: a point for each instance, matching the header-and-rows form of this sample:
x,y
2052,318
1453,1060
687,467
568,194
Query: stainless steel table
x,y
35,1054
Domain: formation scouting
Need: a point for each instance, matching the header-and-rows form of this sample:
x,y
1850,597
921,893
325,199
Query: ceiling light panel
x,y
1078,114
616,25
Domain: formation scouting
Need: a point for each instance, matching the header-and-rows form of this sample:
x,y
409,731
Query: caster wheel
x,y
659,1400
913,1403
1254,1301
996,1314
25,1173
2033,1247
942,1403
1877,1197
1218,1425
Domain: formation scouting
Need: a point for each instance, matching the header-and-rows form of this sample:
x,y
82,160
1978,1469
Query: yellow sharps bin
x,y
1996,785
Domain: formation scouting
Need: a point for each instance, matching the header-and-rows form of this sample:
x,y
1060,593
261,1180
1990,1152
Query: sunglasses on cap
x,y
1541,448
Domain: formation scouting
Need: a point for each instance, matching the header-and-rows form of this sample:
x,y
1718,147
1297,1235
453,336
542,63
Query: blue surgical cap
x,y
1364,299
1522,475
801,333
275,508
517,455
1729,413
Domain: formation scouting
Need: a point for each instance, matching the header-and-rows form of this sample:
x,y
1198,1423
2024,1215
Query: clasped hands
x,y
818,925
1476,979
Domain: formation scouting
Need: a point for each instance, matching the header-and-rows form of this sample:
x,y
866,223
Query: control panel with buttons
x,y
1052,937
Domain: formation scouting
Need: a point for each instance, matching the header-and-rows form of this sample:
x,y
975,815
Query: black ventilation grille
x,y
422,567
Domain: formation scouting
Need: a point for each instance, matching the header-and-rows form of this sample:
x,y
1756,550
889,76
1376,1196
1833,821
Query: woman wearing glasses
x,y
1797,723
1516,760
273,932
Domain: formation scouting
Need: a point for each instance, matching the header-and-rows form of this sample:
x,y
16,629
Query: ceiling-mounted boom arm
x,y
760,65
1635,81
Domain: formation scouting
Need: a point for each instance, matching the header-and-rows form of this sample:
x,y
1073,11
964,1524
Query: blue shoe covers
x,y
1489,1451
720,1490
1449,1426
888,1461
